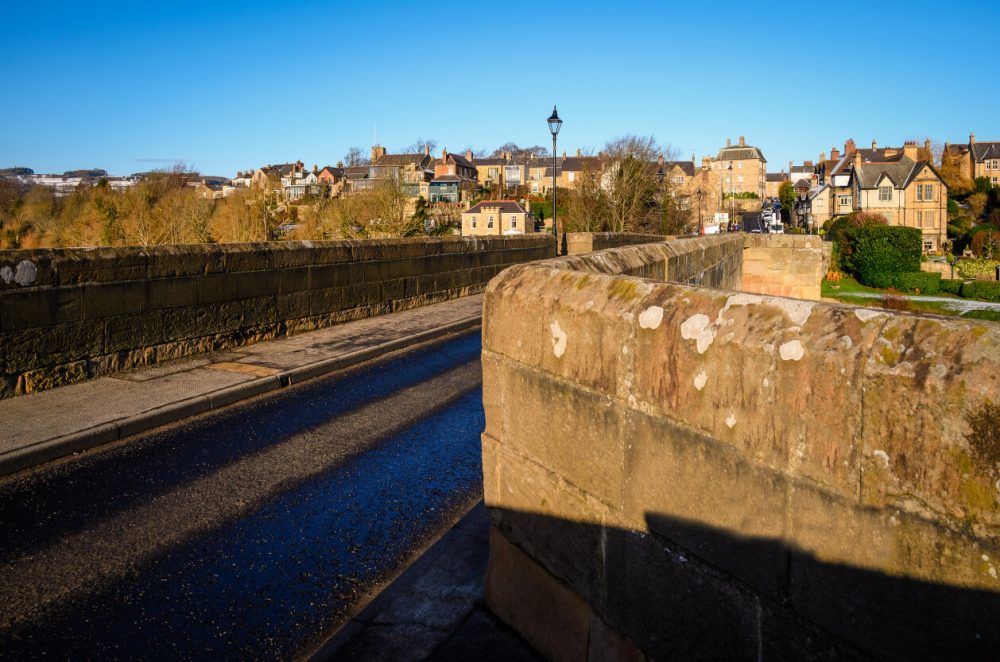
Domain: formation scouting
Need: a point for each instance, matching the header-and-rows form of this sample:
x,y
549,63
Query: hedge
x,y
984,290
951,285
920,282
882,251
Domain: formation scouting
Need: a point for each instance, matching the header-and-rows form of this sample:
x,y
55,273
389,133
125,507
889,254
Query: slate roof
x,y
356,172
446,179
505,206
461,160
686,166
420,160
983,151
901,172
880,156
777,177
579,163
737,153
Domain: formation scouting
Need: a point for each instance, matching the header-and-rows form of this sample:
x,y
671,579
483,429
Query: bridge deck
x,y
42,426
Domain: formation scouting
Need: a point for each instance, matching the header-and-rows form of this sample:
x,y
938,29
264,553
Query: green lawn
x,y
837,290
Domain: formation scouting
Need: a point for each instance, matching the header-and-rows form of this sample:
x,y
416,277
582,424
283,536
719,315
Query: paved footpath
x,y
43,426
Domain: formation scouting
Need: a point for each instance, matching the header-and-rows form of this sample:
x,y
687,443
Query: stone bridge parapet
x,y
681,471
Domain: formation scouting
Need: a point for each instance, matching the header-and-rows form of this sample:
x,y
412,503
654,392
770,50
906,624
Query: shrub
x,y
920,282
951,285
984,290
879,252
976,268
988,315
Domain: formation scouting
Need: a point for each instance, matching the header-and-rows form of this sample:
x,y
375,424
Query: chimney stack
x,y
377,152
849,146
972,139
927,144
789,167
822,157
874,145
578,153
728,142
910,149
834,154
340,164
742,142
857,160
427,149
468,155
444,154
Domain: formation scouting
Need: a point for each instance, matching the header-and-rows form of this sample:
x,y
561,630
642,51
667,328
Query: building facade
x,y
496,217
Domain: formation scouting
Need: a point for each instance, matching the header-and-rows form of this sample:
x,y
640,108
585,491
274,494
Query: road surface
x,y
249,532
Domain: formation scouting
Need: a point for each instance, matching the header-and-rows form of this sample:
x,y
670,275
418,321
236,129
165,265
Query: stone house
x,y
413,171
496,217
977,159
902,187
749,168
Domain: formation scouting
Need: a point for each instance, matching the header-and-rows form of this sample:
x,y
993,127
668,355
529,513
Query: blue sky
x,y
227,86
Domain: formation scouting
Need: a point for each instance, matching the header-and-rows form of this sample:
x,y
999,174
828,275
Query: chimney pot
x,y
972,138
743,142
578,152
728,142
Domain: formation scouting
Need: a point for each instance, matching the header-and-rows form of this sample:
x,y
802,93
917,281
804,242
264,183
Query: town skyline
x,y
156,88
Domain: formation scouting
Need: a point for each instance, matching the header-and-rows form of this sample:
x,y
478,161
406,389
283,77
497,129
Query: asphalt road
x,y
246,533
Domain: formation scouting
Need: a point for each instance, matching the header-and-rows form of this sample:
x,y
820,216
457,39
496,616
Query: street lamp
x,y
732,200
701,228
659,178
554,125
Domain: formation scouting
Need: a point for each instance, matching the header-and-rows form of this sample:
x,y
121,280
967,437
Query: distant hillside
x,y
92,172
16,171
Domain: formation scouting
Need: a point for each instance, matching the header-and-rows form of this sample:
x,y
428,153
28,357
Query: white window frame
x,y
513,220
885,194
473,222
489,222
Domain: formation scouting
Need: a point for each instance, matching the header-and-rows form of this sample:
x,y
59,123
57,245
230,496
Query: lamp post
x,y
732,200
701,228
554,125
659,178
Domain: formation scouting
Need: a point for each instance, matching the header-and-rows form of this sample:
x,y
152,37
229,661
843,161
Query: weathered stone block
x,y
548,615
103,300
40,307
170,292
674,476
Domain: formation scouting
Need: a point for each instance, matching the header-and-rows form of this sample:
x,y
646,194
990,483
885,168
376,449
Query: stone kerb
x,y
72,314
833,459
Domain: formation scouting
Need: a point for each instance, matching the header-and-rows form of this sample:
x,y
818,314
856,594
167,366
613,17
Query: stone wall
x,y
785,265
576,243
66,315
695,473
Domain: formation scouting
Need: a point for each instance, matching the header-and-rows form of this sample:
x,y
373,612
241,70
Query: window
x,y
489,222
994,164
740,179
473,222
572,176
996,180
845,201
888,217
677,179
925,192
513,221
534,188
884,193
739,164
928,245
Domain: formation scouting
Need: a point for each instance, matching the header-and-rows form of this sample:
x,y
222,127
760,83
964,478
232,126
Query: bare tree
x,y
516,151
420,145
629,180
355,157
